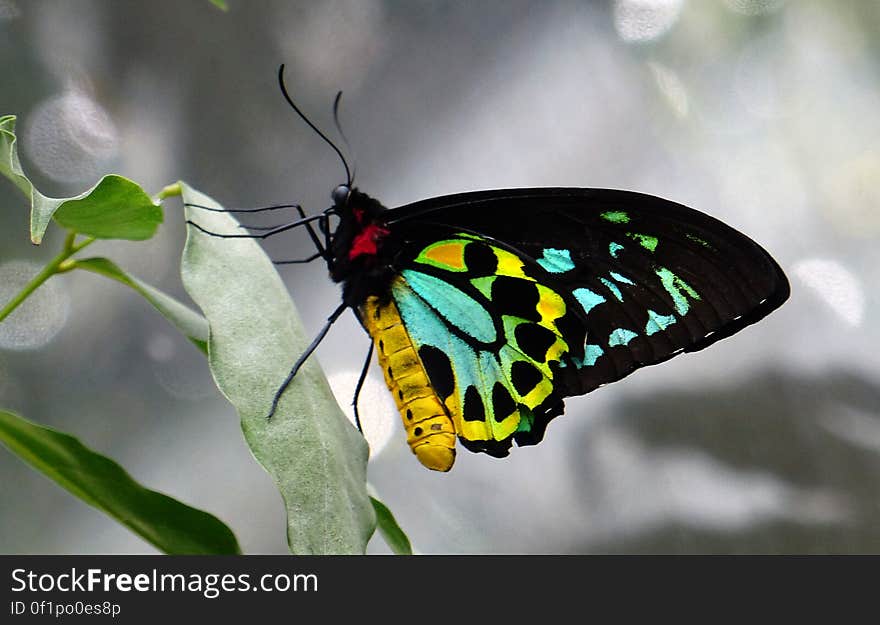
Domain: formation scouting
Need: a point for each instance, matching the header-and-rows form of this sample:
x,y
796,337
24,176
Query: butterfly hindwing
x,y
493,339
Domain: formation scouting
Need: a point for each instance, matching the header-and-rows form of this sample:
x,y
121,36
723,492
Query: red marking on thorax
x,y
365,242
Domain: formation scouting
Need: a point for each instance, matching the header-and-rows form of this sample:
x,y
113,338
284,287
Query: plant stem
x,y
171,190
54,266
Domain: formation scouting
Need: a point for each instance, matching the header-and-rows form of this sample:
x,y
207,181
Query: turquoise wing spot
x,y
645,240
614,249
615,217
621,336
658,322
613,288
556,261
426,328
454,305
591,355
622,279
587,298
477,369
678,290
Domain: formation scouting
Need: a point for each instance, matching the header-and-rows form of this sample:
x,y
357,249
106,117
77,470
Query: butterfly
x,y
487,309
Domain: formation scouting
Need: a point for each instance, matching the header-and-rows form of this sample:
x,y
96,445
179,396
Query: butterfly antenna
x,y
344,138
311,125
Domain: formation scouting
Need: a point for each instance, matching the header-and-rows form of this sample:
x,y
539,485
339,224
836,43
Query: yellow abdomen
x,y
429,429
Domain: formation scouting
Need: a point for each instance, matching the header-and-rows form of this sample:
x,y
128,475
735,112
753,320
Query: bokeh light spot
x,y
377,410
835,285
40,317
70,137
160,347
754,7
182,372
645,20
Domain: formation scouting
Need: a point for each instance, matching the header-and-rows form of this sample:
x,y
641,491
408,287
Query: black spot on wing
x,y
439,370
516,297
502,403
480,259
534,340
524,377
496,449
542,415
573,332
473,409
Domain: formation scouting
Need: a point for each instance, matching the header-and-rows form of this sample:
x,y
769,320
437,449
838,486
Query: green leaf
x,y
191,323
220,4
169,525
391,532
316,457
115,208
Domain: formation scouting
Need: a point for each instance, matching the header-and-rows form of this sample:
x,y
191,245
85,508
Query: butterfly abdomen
x,y
429,429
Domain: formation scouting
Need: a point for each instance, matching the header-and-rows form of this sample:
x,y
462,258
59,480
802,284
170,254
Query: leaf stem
x,y
56,265
170,191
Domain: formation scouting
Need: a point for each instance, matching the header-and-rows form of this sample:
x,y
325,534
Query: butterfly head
x,y
340,197
357,242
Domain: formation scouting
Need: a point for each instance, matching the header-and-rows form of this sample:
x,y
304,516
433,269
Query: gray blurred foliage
x,y
759,112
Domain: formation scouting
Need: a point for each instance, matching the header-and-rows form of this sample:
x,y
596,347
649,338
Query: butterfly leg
x,y
244,210
322,250
324,227
360,385
305,355
308,259
258,228
268,233
321,253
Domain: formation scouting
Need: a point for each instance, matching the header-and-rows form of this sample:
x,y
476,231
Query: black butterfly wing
x,y
647,277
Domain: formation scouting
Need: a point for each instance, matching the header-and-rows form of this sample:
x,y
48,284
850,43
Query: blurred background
x,y
762,113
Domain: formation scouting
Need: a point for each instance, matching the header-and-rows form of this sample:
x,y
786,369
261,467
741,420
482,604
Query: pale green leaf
x,y
316,457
